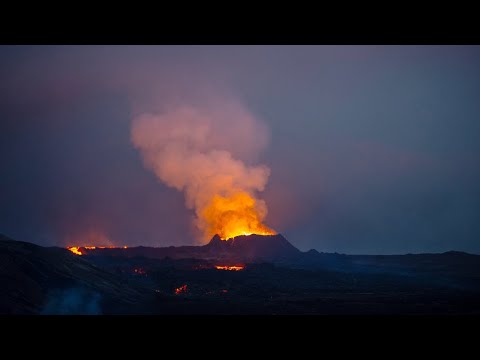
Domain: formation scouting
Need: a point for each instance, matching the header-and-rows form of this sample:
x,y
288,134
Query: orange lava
x,y
75,250
239,214
78,249
230,268
180,290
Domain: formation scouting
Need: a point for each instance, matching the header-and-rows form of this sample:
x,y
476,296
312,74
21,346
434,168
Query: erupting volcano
x,y
207,153
229,254
234,216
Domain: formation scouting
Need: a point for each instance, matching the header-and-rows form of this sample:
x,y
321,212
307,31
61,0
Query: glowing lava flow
x,y
180,290
77,249
239,214
231,268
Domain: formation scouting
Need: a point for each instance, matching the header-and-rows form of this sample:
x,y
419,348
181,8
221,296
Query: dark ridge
x,y
33,276
276,278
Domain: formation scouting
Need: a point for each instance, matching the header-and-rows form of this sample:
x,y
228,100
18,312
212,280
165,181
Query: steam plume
x,y
205,152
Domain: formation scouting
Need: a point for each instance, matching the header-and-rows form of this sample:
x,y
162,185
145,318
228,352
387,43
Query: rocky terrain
x,y
270,276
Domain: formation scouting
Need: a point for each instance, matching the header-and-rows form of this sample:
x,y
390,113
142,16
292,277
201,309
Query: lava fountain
x,y
236,215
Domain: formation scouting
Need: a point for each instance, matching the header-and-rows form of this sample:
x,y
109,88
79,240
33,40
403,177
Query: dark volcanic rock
x,y
280,279
34,277
452,268
251,248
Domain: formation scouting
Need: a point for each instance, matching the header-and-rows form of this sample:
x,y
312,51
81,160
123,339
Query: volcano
x,y
36,279
271,277
243,248
252,247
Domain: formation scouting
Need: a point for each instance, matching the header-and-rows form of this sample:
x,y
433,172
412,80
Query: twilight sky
x,y
372,149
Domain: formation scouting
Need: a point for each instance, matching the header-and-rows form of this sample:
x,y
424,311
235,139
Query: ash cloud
x,y
203,151
72,301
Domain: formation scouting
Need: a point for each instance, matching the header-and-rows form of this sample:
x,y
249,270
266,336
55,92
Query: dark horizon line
x,y
4,237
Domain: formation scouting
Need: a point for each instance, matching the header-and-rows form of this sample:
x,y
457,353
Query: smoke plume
x,y
72,301
208,151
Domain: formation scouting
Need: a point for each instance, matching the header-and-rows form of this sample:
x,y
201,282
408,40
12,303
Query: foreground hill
x,y
35,279
451,269
274,278
252,248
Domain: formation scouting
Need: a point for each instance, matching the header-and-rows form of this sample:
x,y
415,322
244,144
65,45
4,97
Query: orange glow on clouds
x,y
207,152
240,214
